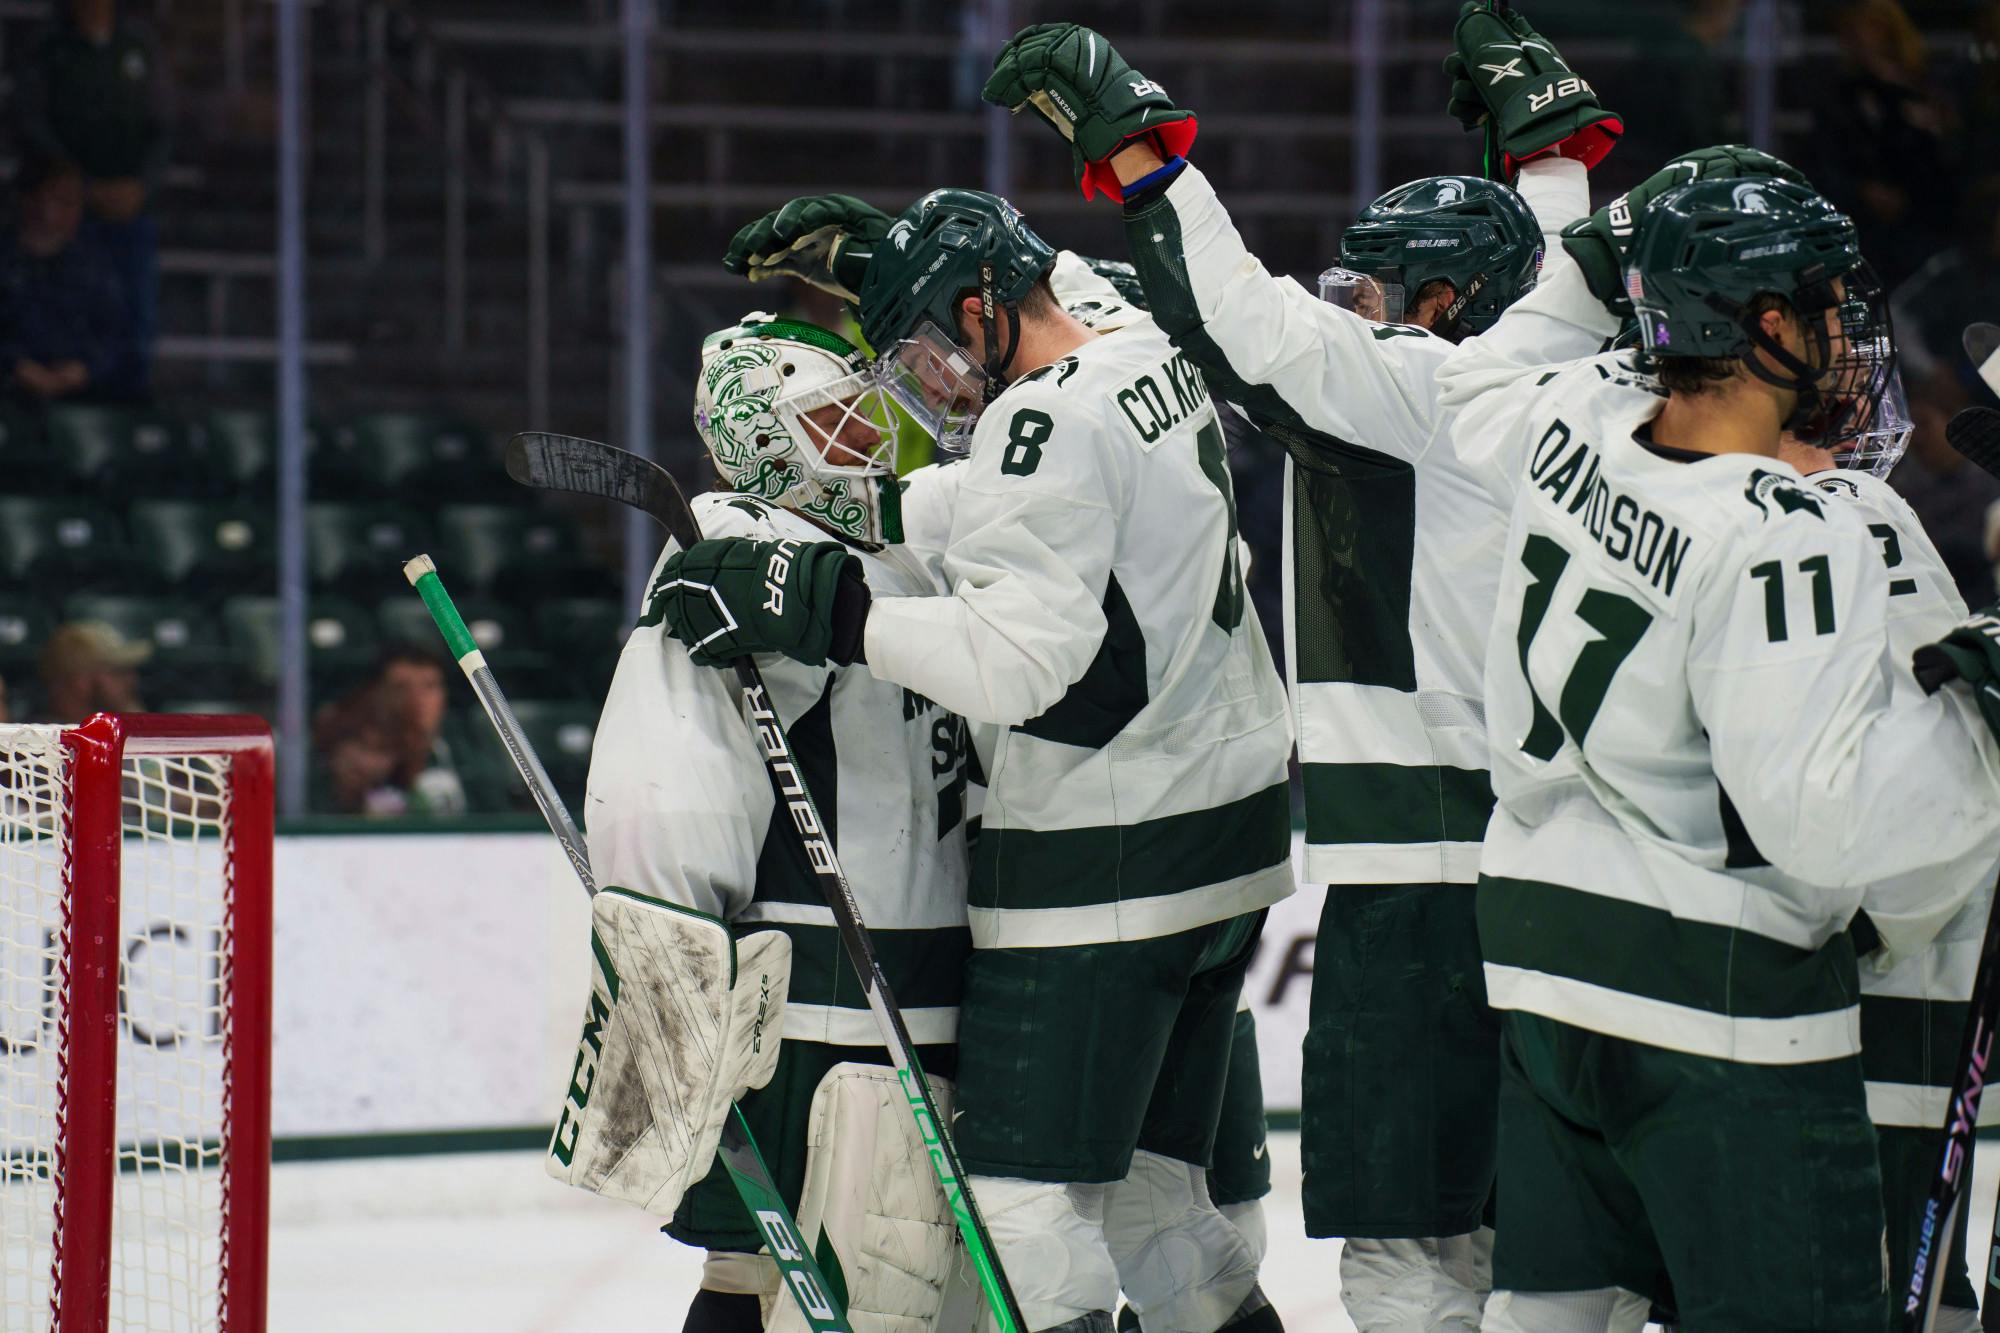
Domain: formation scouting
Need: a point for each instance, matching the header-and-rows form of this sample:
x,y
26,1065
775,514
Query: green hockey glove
x,y
1510,80
732,597
1094,99
823,239
1970,653
1601,242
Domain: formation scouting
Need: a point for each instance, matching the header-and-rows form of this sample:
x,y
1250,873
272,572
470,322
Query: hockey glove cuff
x,y
1601,243
733,597
822,239
1079,84
1510,80
1970,653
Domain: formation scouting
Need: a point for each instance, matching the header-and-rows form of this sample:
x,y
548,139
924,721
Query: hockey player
x,y
1913,1009
1137,819
679,808
1391,557
1701,755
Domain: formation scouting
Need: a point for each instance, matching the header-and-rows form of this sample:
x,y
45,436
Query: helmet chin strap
x,y
997,359
1809,418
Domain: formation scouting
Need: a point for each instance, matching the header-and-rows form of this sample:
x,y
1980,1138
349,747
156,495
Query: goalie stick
x,y
816,1299
585,467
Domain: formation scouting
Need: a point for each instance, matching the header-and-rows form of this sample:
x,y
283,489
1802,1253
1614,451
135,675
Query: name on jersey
x,y
1568,472
1148,408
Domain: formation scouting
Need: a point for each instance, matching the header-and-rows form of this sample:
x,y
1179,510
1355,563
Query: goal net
x,y
135,857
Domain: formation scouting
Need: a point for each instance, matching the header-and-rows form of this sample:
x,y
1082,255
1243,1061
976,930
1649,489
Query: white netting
x,y
33,943
166,1227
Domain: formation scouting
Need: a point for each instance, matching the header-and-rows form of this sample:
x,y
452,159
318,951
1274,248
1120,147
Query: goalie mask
x,y
1478,235
792,413
1710,253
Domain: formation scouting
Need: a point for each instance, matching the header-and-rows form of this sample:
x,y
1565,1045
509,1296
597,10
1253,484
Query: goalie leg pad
x,y
870,1194
681,1021
1185,1268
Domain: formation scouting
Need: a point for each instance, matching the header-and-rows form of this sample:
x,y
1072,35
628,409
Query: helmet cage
x,y
1839,384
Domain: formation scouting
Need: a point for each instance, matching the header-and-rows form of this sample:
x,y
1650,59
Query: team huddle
x,y
1656,871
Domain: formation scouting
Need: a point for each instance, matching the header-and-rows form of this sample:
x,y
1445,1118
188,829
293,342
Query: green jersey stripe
x,y
1390,803
1017,868
1644,951
927,965
1911,1041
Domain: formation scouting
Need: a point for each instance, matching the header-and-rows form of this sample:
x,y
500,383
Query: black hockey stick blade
x,y
1982,345
1975,433
585,467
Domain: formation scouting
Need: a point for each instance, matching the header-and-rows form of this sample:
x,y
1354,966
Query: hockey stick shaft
x,y
1946,1199
737,1148
564,463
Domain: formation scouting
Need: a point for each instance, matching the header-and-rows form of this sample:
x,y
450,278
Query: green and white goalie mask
x,y
937,383
792,413
1367,296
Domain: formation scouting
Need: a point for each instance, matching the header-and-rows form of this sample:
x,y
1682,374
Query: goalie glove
x,y
1084,88
822,239
1510,80
1601,243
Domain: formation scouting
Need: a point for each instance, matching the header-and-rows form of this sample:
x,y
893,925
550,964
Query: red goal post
x,y
135,1023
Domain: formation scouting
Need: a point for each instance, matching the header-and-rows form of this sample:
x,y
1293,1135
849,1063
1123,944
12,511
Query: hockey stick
x,y
816,1300
1982,344
584,467
1946,1199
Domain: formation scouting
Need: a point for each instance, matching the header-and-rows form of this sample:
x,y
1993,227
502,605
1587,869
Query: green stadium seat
x,y
120,451
560,731
189,652
339,636
244,441
25,623
591,632
27,461
507,550
430,456
60,546
201,545
359,547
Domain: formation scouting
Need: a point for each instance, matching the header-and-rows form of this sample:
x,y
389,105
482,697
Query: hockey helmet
x,y
948,244
793,414
1478,235
1705,252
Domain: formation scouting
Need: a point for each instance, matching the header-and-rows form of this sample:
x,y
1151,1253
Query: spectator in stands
x,y
1879,131
382,744
62,324
95,94
1951,496
89,667
1958,286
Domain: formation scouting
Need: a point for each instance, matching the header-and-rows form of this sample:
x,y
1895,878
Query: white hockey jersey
x,y
678,805
1134,736
1913,1010
1700,747
1391,548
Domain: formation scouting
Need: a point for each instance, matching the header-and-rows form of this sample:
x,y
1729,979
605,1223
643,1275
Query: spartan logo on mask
x,y
746,429
899,235
1749,197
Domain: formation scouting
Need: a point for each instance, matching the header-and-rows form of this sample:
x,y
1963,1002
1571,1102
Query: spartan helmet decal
x,y
899,235
792,414
1749,198
1450,192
